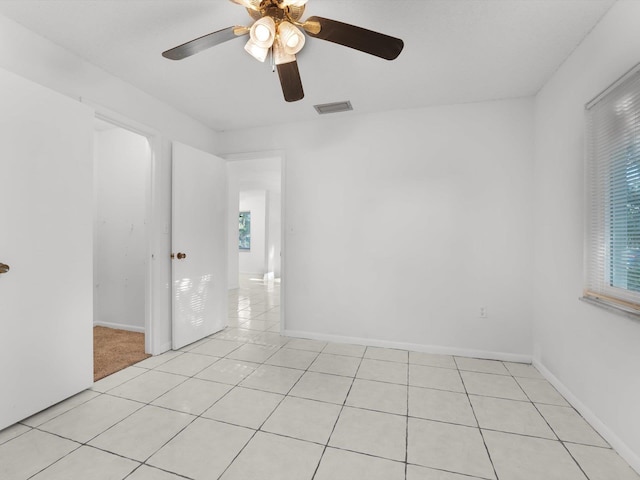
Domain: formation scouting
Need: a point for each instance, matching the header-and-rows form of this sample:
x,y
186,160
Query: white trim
x,y
414,347
632,458
120,120
283,239
633,70
611,307
155,151
118,326
260,155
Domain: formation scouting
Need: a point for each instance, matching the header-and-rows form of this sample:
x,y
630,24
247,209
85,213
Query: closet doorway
x,y
122,169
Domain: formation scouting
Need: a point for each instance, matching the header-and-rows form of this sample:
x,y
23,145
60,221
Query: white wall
x,y
38,59
593,354
122,166
400,226
254,260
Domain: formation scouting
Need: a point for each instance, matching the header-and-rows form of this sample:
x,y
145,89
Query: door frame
x,y
257,155
155,149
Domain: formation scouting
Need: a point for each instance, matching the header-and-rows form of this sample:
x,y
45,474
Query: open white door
x,y
46,239
199,245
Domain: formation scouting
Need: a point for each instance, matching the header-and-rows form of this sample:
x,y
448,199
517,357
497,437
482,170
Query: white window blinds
x,y
612,247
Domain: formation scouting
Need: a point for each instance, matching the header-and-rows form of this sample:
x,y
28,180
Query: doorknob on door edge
x,y
181,256
4,268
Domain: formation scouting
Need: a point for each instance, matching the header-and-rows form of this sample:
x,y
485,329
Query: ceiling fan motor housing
x,y
276,10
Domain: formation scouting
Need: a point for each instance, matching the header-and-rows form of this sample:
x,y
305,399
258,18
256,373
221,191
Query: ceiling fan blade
x,y
366,41
290,81
202,43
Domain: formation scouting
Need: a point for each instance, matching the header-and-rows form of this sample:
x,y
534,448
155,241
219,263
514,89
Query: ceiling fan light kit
x,y
275,30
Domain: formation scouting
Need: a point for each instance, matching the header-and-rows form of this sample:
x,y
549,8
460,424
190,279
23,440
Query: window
x,y
244,227
613,195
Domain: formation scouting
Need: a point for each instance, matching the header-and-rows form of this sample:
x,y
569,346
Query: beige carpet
x,y
114,350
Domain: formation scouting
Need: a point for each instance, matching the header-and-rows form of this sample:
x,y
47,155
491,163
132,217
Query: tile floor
x,y
248,404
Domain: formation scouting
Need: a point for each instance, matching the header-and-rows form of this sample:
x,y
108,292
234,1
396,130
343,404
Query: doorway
x,y
122,166
255,219
257,192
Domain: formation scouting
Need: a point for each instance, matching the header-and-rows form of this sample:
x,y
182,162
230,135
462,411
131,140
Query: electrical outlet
x,y
483,312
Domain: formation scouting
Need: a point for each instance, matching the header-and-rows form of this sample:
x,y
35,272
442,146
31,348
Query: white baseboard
x,y
460,352
130,328
618,445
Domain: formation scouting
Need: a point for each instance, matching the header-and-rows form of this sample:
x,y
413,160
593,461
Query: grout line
x,y
57,461
557,437
344,402
238,454
406,447
155,468
478,423
259,429
199,416
143,405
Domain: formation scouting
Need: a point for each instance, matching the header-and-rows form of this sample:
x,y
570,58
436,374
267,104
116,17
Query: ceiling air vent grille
x,y
335,107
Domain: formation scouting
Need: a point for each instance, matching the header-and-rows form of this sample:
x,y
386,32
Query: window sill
x,y
612,307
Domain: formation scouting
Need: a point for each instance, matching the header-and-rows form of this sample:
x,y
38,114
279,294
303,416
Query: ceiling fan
x,y
276,30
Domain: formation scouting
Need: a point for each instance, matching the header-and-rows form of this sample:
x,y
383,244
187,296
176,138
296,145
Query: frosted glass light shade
x,y
279,54
263,32
291,38
256,51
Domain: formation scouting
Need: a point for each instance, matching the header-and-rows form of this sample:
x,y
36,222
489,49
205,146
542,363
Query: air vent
x,y
333,107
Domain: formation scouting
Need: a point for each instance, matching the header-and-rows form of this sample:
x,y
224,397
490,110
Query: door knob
x,y
181,255
4,268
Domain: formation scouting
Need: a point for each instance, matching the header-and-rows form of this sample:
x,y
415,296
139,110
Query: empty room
x,y
371,239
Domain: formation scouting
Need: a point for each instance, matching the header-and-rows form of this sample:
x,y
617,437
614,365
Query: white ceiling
x,y
456,51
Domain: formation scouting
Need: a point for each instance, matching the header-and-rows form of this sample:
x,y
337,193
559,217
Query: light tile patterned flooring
x,y
248,404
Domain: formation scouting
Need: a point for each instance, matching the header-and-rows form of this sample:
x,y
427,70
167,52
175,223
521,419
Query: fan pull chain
x,y
273,61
